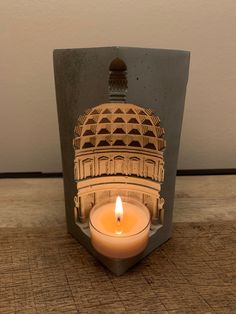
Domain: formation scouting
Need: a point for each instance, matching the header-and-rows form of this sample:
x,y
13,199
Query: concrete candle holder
x,y
122,109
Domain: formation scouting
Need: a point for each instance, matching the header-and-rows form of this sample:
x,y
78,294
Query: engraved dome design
x,y
118,150
119,125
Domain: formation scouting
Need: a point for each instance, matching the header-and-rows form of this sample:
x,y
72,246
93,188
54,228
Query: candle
x,y
121,229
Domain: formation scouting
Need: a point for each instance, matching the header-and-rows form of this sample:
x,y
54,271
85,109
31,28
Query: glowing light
x,y
119,209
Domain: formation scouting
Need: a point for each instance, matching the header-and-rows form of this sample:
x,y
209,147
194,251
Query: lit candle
x,y
119,214
120,230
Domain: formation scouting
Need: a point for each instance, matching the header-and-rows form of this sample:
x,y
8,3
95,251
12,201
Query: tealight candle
x,y
119,230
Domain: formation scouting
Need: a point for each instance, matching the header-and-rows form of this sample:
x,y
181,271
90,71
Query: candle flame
x,y
119,209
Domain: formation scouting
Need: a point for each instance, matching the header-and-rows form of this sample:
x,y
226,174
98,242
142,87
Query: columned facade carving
x,y
119,150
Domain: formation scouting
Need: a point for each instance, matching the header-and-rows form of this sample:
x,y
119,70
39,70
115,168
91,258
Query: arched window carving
x,y
88,168
103,165
119,163
134,166
161,171
149,168
118,84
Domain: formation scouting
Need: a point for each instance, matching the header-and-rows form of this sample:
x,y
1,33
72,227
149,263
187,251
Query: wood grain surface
x,y
47,271
44,270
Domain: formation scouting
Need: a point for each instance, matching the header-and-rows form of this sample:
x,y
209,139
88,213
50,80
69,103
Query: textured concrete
x,y
40,202
157,79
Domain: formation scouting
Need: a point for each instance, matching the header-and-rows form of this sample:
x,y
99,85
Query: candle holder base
x,y
156,80
120,266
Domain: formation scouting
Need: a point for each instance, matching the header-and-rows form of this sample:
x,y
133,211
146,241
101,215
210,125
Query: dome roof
x,y
119,125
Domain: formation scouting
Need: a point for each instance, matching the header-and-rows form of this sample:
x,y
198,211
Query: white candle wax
x,y
121,236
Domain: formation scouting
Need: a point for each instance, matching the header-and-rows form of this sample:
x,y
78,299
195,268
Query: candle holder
x,y
121,146
118,246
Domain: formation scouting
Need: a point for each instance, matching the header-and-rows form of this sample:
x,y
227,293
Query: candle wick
x,y
119,231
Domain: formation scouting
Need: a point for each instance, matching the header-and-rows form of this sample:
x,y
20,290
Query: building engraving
x,y
119,151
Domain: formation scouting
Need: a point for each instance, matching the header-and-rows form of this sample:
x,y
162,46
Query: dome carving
x,y
118,149
123,120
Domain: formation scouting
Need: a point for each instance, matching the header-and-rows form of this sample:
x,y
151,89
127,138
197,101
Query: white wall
x,y
31,29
